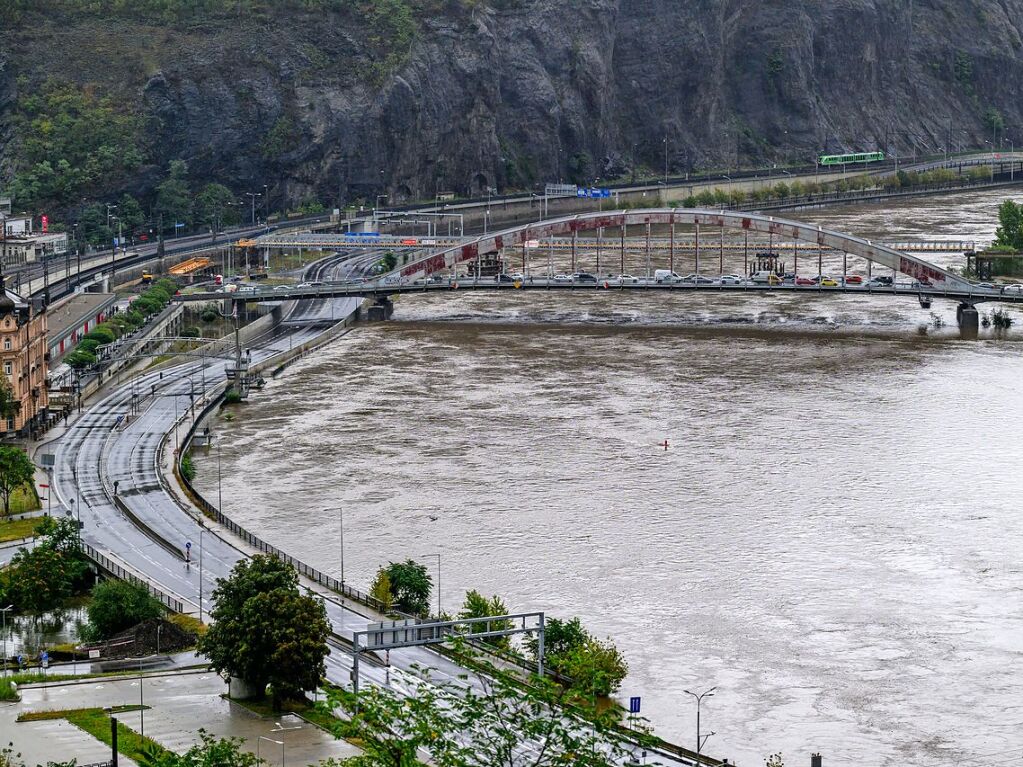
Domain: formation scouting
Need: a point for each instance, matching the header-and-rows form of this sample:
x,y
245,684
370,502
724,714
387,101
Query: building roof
x,y
71,312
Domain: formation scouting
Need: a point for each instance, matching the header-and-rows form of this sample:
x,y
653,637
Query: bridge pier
x,y
381,309
969,321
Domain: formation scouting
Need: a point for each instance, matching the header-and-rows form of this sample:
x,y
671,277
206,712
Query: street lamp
x,y
699,699
202,532
5,610
438,581
253,196
269,740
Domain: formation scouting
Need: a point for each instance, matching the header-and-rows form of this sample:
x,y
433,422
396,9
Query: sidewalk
x,y
179,703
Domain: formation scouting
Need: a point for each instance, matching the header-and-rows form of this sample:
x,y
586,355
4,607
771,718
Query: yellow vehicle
x,y
147,278
827,282
774,279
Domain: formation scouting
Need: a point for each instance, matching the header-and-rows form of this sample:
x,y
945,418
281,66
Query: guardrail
x,y
171,603
251,539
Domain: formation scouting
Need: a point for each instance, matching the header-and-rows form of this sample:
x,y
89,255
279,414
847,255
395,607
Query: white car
x,y
517,277
626,279
246,289
732,279
282,287
562,278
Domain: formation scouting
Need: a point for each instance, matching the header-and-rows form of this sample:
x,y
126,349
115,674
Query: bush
x,y
191,333
88,345
595,667
79,359
209,314
119,605
187,468
102,335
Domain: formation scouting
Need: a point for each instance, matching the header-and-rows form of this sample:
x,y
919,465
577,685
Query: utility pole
x,y
252,196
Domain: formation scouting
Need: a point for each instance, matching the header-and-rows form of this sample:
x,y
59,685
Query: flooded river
x,y
832,538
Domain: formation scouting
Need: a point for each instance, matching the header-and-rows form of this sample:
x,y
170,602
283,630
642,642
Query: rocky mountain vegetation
x,y
340,100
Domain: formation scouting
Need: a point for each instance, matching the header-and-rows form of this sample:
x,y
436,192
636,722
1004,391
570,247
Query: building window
x,y
8,368
7,344
10,424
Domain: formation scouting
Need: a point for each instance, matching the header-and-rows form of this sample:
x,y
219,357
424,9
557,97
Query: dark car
x,y
584,277
503,278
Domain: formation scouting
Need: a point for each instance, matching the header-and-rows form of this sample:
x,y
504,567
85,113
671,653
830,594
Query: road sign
x,y
47,459
93,654
634,705
593,193
44,659
188,544
561,190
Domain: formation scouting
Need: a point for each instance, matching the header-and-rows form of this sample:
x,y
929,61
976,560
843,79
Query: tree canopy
x,y
492,720
265,631
410,585
16,471
44,577
1010,231
118,605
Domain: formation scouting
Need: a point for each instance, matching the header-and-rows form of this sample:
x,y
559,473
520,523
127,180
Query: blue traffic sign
x,y
188,544
593,193
634,705
44,655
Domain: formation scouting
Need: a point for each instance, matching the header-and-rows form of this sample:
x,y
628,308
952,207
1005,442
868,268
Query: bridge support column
x,y
381,309
969,320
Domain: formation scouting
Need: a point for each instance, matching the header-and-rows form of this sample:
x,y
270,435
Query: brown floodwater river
x,y
833,538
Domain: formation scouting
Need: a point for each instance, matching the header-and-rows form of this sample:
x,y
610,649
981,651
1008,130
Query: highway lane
x,y
101,449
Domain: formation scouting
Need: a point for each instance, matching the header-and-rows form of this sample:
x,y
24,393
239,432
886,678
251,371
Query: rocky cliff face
x,y
328,104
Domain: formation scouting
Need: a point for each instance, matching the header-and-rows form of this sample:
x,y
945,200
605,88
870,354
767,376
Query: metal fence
x,y
172,603
255,541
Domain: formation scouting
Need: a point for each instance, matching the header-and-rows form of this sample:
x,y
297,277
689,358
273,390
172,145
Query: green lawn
x,y
24,499
17,529
96,722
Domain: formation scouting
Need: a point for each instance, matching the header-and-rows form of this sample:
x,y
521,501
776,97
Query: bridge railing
x,y
171,603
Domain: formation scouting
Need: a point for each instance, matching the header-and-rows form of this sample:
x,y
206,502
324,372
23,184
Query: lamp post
x,y
202,532
142,705
438,581
269,740
253,196
220,489
699,699
5,610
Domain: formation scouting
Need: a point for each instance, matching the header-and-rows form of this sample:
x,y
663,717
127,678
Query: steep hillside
x,y
340,99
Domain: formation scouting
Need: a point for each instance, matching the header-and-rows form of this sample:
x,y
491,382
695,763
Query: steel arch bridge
x,y
783,229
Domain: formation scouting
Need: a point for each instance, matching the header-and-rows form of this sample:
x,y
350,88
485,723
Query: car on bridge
x,y
562,278
828,282
732,279
765,278
666,275
853,279
697,279
804,282
625,279
584,277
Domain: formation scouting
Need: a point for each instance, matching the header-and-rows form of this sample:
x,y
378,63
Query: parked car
x,y
584,277
732,279
698,279
853,279
828,282
764,278
626,279
282,288
562,278
804,281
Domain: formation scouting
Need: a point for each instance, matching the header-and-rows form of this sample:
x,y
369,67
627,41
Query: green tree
x,y
594,666
173,197
45,577
381,589
264,631
479,725
130,213
1010,231
16,471
79,359
9,406
118,605
478,606
411,586
212,209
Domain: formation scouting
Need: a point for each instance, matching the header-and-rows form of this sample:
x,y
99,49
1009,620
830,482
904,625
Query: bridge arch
x,y
518,236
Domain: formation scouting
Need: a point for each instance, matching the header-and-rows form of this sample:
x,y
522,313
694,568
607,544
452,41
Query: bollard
x,y
815,760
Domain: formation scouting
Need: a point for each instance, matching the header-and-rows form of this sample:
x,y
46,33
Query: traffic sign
x,y
634,705
188,544
593,193
44,659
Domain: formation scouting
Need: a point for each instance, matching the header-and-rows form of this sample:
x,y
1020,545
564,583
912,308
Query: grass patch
x,y
96,722
16,529
7,691
24,499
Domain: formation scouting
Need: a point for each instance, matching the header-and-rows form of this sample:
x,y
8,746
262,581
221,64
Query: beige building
x,y
23,352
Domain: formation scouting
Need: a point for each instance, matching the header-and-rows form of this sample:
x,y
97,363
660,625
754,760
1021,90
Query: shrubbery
x,y
116,606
